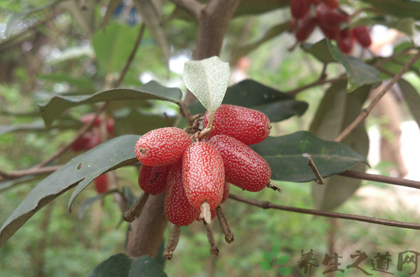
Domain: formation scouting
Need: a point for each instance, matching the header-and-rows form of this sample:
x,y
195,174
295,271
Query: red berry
x,y
362,35
95,140
292,24
82,143
101,183
330,18
247,125
345,41
243,166
152,179
177,208
306,26
160,147
110,126
329,33
226,190
203,175
331,3
88,118
299,8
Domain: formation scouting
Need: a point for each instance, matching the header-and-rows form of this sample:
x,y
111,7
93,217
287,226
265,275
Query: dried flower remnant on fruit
x,y
178,209
246,125
160,147
243,166
203,174
152,179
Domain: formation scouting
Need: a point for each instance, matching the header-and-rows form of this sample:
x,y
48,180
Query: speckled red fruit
x,y
226,190
247,125
306,26
203,175
160,147
299,8
101,183
362,35
178,209
82,143
152,179
243,166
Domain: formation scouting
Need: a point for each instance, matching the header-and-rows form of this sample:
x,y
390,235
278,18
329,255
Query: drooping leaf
x,y
16,18
153,19
113,46
208,80
402,9
336,111
251,94
112,5
81,170
120,265
149,91
288,156
271,33
358,72
319,50
412,98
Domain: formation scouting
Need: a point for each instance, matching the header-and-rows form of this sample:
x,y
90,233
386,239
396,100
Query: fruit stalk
x,y
205,214
136,208
213,248
224,225
172,242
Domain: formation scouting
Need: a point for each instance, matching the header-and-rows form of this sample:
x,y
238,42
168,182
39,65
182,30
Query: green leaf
x,y
18,17
112,5
152,16
336,111
89,202
271,33
319,50
81,170
275,251
120,265
283,260
396,64
265,266
412,98
358,72
208,80
288,156
113,46
284,271
267,257
251,94
406,8
151,90
39,126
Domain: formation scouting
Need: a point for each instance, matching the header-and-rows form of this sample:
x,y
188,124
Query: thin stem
x,y
36,171
316,172
316,83
274,187
224,225
213,248
136,209
172,242
381,179
268,205
205,213
364,113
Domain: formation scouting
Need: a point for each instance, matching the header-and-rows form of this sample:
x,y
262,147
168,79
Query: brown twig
x,y
213,248
268,205
172,242
224,225
316,172
381,179
274,187
25,172
136,208
365,112
316,83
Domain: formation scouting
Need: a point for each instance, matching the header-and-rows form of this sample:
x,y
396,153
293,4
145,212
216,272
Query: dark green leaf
x,y
275,251
336,111
81,170
265,266
112,5
412,98
18,17
120,265
267,257
152,16
283,260
319,50
271,33
251,94
358,72
402,8
151,90
284,271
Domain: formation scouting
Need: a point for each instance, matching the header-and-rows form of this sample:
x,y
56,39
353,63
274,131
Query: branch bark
x,y
381,179
191,6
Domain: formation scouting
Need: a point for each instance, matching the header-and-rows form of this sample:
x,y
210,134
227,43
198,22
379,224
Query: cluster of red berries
x,y
194,172
91,139
332,21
